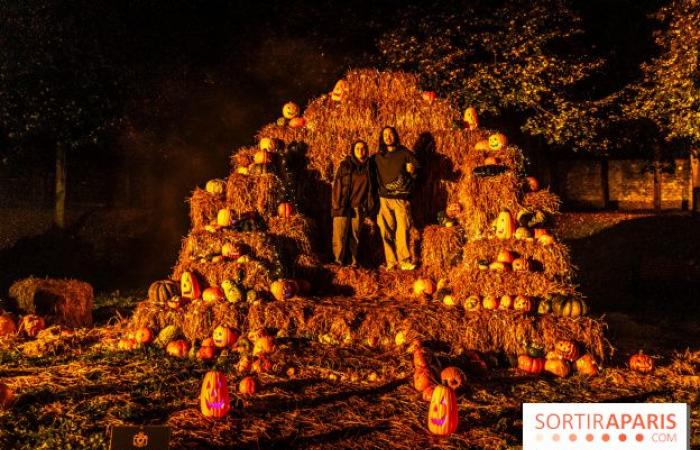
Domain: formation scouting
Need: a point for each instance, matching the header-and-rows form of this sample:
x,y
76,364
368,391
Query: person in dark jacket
x,y
395,167
352,200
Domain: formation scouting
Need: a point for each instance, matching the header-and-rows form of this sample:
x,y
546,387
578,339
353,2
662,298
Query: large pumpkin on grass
x,y
189,286
214,400
505,225
160,291
443,413
215,187
7,325
31,324
641,363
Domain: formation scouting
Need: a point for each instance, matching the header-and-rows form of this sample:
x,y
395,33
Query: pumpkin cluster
x,y
559,362
28,325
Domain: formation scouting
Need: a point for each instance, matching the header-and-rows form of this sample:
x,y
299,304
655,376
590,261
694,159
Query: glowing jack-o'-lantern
x,y
32,324
189,286
215,187
339,91
497,141
471,118
224,336
443,414
641,363
566,349
290,110
7,325
214,400
505,225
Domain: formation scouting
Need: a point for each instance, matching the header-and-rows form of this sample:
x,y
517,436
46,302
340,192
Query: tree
x,y
518,56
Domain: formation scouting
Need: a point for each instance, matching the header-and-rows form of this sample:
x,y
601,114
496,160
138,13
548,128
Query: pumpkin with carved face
x,y
339,91
189,286
214,400
567,349
505,225
224,336
443,413
471,118
641,363
32,324
472,303
290,110
497,141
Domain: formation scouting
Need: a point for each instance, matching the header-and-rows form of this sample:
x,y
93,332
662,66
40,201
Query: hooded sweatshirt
x,y
351,187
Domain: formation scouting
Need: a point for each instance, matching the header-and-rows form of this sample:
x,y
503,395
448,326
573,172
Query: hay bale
x,y
467,281
254,274
292,235
65,302
253,193
257,244
204,207
441,249
542,200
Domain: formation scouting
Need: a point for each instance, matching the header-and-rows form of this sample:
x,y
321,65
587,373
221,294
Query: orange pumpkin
x,y
522,233
224,217
453,377
497,141
290,110
539,232
215,187
522,303
160,291
339,91
499,267
213,295
283,289
144,335
422,378
266,144
224,336
297,122
429,96
531,365
31,324
7,325
264,345
587,365
641,363
189,286
489,302
423,286
545,239
206,353
567,349
214,400
472,303
558,367
471,118
443,413
177,348
7,397
505,225
521,265
505,256
285,210
262,157
532,184
505,303
248,386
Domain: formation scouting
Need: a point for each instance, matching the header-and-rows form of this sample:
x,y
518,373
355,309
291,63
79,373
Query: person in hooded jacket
x,y
352,201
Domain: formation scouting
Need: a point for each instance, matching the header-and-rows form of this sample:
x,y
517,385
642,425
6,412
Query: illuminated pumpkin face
x,y
214,399
32,324
224,336
339,91
471,119
505,225
567,349
443,414
497,141
290,110
641,363
472,303
189,286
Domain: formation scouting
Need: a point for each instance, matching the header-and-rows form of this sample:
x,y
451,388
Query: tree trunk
x,y
695,181
60,204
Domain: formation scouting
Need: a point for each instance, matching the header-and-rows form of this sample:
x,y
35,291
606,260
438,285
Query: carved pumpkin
x,y
31,324
505,225
522,303
7,325
144,335
453,377
297,122
213,295
489,302
283,289
248,386
472,303
567,349
214,400
532,184
423,286
558,367
522,233
573,308
215,187
443,412
587,365
429,96
231,250
160,291
641,363
505,303
339,91
530,364
224,336
290,110
7,397
453,210
505,256
264,345
482,146
422,378
177,348
497,141
471,118
285,210
189,286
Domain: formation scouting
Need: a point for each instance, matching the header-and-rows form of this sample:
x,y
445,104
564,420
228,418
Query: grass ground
x,y
639,270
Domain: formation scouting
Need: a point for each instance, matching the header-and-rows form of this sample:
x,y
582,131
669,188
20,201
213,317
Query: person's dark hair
x,y
382,145
359,141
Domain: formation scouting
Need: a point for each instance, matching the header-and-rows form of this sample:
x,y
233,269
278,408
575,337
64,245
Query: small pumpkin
x,y
144,336
160,291
283,289
422,378
573,308
189,286
31,324
429,96
523,233
472,303
587,365
471,118
7,396
264,345
224,337
248,386
505,303
285,210
532,184
481,146
339,91
559,367
567,349
232,293
297,122
546,239
499,267
539,232
206,353
423,286
224,218
443,413
489,302
521,265
544,306
215,187
505,225
214,399
290,110
505,256
7,325
522,303
530,364
213,295
497,141
262,158
641,363
453,377
177,348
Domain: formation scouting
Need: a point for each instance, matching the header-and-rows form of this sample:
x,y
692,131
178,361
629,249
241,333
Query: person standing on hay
x,y
352,201
395,167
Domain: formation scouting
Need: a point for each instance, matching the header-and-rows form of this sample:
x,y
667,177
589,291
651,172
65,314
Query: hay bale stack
x,y
253,193
293,237
201,244
204,207
251,275
466,281
63,302
441,249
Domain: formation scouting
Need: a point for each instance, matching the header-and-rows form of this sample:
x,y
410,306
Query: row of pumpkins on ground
x,y
29,325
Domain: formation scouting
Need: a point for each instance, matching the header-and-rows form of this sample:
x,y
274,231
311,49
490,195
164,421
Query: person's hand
x,y
410,168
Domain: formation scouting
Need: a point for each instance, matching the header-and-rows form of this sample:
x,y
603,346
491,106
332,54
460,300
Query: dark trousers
x,y
346,236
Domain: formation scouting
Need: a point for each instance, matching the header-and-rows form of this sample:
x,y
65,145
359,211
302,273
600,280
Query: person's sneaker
x,y
407,266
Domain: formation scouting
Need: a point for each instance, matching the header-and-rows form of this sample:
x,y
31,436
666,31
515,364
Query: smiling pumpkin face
x,y
290,110
214,399
341,87
497,141
443,414
189,286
